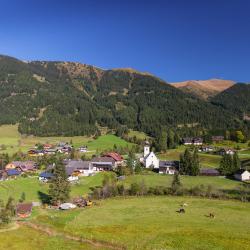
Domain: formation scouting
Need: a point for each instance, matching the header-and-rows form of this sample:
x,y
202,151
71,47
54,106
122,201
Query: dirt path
x,y
52,232
14,227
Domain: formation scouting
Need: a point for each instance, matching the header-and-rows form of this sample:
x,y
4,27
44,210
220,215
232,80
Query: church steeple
x,y
146,148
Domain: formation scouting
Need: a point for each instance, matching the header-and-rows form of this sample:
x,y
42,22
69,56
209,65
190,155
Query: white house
x,y
149,159
242,175
169,167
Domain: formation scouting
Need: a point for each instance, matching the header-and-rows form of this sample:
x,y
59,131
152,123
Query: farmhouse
x,y
242,175
187,141
13,173
169,167
72,174
22,166
218,138
83,149
45,176
206,149
116,157
209,172
24,210
197,141
227,151
103,163
35,152
149,159
82,168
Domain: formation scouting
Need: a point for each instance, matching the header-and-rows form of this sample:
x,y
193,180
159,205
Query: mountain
x,y
235,99
67,98
204,89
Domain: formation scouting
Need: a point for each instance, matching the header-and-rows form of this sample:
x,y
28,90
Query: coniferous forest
x,y
62,98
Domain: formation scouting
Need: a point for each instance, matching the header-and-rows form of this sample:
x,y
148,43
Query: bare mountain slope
x,y
204,89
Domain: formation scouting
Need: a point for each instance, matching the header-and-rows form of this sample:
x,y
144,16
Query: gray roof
x,y
165,164
78,164
103,160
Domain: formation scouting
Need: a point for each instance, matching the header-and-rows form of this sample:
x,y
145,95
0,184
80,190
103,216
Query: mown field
x,y
14,142
153,223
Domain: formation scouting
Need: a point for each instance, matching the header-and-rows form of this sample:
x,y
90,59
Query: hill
x,y
204,89
68,99
235,99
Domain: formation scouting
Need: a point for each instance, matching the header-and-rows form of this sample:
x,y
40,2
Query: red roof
x,y
115,156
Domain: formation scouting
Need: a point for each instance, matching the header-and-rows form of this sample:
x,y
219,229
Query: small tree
x,y
59,188
236,162
176,183
226,164
195,168
22,198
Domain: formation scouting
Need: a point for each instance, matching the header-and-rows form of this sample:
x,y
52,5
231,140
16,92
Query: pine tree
x,y
186,162
22,198
162,141
236,163
59,188
195,168
226,164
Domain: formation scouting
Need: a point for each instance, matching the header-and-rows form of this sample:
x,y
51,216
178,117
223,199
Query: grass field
x,y
29,239
153,223
14,142
206,160
31,186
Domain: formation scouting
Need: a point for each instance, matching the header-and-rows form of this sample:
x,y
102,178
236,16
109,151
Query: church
x,y
149,159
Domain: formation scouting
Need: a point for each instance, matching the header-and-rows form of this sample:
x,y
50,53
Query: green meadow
x,y
32,187
153,223
14,142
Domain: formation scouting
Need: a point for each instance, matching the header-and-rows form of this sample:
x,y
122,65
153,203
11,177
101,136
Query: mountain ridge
x,y
204,89
51,98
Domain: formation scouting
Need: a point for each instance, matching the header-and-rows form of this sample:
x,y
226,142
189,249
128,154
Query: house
x,y
209,172
35,152
217,138
169,167
103,163
116,157
187,141
227,151
45,176
149,159
24,210
47,146
72,174
242,175
50,151
13,173
197,141
206,149
83,168
83,149
23,166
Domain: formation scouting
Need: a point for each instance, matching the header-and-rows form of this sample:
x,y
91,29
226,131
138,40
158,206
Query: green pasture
x,y
153,223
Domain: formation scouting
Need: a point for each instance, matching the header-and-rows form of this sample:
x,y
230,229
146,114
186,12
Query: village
x,y
106,162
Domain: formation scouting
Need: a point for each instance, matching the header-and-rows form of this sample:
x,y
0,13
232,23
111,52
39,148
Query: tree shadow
x,y
43,197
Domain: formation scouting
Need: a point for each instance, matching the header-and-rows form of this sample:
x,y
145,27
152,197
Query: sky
x,y
175,40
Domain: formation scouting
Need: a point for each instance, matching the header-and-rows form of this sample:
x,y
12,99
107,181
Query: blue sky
x,y
173,39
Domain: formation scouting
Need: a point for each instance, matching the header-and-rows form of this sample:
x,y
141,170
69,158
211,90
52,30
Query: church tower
x,y
146,149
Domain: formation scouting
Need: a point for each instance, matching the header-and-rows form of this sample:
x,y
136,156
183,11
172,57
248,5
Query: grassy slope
x,y
29,239
31,186
152,223
10,137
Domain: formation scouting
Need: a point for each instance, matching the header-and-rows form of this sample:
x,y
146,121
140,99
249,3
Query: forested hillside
x,y
63,98
236,99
